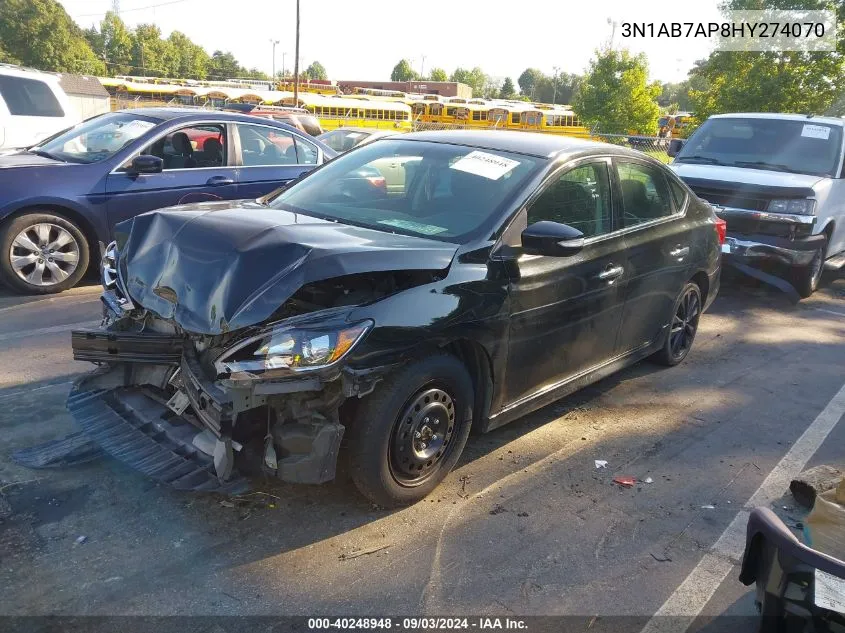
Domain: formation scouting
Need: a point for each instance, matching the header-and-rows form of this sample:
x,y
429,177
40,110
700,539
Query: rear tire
x,y
42,253
806,278
406,436
683,326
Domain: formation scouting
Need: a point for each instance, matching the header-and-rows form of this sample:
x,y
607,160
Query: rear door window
x,y
29,97
645,193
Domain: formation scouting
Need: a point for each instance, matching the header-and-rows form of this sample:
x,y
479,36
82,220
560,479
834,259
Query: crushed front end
x,y
202,411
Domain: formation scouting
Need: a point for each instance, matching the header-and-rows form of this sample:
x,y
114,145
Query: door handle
x,y
679,252
217,181
611,273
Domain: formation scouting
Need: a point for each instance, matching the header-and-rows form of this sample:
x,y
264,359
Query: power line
x,y
122,11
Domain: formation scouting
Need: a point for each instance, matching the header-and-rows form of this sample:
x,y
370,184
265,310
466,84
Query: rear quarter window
x,y
29,97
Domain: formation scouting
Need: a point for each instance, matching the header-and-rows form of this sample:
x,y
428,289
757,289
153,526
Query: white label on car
x,y
829,592
486,165
416,227
816,131
726,248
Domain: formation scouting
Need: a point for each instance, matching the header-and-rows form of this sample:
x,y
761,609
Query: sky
x,y
356,40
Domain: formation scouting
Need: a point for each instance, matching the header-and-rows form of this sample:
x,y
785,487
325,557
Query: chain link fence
x,y
654,146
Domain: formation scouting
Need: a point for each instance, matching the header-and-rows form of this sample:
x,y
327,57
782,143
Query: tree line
x,y
41,34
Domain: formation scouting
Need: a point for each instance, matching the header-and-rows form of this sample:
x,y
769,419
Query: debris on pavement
x,y
227,504
661,559
497,509
601,463
625,481
363,552
81,539
648,480
813,482
709,506
522,514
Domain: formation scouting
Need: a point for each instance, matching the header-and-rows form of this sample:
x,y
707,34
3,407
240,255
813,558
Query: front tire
x,y
806,278
683,326
407,435
42,253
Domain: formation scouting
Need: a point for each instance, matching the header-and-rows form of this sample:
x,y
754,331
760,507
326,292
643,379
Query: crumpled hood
x,y
221,266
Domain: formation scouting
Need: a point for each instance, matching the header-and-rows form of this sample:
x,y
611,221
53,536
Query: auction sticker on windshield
x,y
416,227
829,592
816,131
486,165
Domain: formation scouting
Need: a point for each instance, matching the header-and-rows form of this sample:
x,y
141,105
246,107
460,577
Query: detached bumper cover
x,y
133,426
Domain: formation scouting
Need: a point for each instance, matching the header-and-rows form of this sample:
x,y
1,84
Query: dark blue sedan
x,y
61,199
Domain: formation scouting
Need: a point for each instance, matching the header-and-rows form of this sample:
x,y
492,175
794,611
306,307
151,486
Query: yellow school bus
x,y
335,112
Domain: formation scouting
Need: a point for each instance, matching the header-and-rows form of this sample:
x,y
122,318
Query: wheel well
x,y
828,230
72,216
480,368
700,279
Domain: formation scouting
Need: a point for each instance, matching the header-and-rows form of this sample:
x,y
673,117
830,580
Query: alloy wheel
x,y
422,436
685,323
44,254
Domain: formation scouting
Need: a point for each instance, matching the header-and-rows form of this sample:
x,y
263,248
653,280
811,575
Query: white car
x,y
777,179
33,106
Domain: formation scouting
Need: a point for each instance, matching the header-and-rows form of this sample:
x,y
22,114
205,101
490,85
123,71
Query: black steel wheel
x,y
683,326
422,436
408,434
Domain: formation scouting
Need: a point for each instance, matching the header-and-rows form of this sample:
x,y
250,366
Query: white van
x,y
33,106
779,182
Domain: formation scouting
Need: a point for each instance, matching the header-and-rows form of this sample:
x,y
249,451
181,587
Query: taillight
x,y
721,230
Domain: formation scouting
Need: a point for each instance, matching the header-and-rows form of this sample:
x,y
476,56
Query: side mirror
x,y
675,146
146,164
552,238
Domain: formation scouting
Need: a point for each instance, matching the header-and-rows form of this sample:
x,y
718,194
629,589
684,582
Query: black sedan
x,y
509,270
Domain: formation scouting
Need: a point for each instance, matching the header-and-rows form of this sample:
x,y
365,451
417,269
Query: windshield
x,y
797,146
445,192
95,139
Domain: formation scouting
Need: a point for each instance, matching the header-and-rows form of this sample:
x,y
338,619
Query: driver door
x,y
566,311
196,169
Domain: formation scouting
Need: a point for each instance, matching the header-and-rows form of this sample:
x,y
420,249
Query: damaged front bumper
x,y
153,405
758,236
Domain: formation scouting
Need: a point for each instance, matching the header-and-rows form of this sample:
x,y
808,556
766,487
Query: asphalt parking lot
x,y
525,525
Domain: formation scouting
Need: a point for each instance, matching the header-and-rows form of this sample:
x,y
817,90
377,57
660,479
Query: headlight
x,y
285,348
797,207
108,267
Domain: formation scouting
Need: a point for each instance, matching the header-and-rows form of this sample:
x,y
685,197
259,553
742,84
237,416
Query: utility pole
x,y
284,74
296,61
422,67
274,42
554,92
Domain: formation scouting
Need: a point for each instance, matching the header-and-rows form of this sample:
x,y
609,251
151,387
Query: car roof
x,y
171,114
809,118
532,143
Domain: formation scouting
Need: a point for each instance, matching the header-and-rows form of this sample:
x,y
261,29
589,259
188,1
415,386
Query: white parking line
x,y
55,329
690,598
842,314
